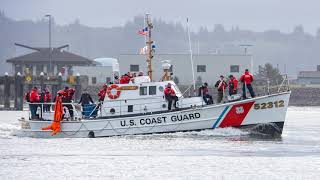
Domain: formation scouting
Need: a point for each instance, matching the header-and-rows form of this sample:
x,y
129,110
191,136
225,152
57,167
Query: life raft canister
x,y
113,91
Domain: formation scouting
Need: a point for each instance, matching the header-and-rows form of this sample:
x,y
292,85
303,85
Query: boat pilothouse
x,y
142,96
140,107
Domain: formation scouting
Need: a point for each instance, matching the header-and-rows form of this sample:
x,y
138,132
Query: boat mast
x,y
149,46
191,60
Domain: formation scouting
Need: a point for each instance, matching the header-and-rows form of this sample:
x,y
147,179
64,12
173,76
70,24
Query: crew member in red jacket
x,y
67,98
247,79
48,100
233,85
34,102
170,96
102,93
221,85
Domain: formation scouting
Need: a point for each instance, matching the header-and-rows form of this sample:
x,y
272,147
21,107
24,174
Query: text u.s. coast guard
x,y
159,119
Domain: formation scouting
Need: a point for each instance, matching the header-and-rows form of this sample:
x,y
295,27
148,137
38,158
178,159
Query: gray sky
x,y
257,15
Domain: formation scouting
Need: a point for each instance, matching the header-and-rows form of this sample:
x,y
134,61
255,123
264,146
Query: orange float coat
x,y
58,111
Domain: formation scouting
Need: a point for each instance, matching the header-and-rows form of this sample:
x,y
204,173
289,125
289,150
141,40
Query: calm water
x,y
210,154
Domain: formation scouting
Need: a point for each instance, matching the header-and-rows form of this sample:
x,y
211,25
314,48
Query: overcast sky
x,y
257,15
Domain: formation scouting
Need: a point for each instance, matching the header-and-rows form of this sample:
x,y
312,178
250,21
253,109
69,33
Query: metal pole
x,y
50,64
50,56
191,60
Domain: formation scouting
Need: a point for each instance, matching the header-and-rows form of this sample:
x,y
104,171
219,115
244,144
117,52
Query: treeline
x,y
290,52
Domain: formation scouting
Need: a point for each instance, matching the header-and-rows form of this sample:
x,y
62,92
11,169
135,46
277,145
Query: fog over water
x,y
210,154
248,14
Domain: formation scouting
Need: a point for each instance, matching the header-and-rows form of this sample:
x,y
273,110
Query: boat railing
x,y
277,88
46,110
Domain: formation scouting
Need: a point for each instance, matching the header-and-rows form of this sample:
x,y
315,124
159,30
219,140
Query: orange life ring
x,y
113,94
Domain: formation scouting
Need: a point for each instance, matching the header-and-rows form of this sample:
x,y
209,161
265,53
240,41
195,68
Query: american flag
x,y
143,31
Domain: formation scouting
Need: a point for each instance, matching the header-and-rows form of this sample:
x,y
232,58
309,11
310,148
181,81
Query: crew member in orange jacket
x,y
233,85
170,96
34,102
58,112
247,79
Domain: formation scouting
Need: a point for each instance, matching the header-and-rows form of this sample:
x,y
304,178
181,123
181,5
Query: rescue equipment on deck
x,y
58,111
113,91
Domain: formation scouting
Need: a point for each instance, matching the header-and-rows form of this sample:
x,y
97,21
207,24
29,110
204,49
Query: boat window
x,y
130,108
143,90
152,90
161,88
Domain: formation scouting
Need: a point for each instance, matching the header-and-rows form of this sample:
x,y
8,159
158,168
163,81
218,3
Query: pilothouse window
x,y
130,108
143,90
152,90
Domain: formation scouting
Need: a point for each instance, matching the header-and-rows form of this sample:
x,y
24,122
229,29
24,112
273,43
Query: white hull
x,y
260,110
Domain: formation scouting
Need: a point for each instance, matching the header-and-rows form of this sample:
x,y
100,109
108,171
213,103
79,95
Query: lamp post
x,y
245,47
50,57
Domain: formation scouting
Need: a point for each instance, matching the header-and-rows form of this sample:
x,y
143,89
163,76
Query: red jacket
x,y
221,85
233,83
169,91
34,96
246,78
205,90
48,97
102,94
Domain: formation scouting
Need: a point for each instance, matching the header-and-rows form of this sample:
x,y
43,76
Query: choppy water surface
x,y
210,154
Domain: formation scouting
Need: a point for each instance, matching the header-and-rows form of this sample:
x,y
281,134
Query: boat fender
x,y
91,134
112,94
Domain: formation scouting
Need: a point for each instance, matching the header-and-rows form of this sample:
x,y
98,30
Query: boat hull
x,y
264,110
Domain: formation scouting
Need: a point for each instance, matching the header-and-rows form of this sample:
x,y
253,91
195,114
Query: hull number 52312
x,y
268,105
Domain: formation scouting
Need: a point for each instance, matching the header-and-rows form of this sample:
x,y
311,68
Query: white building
x,y
100,74
209,67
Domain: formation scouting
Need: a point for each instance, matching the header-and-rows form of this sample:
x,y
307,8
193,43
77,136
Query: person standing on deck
x,y
85,99
221,85
233,85
34,100
67,98
102,93
170,96
247,79
48,100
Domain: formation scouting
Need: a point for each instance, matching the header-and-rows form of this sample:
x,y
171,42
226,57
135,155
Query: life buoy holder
x,y
113,91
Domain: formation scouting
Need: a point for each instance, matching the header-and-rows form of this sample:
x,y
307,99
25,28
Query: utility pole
x,y
149,46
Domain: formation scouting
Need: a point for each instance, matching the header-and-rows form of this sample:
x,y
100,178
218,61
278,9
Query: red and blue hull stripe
x,y
234,116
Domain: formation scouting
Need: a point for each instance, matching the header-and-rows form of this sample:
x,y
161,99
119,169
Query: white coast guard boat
x,y
140,108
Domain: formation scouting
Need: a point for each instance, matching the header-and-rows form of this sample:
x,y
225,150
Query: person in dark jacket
x,y
204,92
85,99
221,86
247,79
